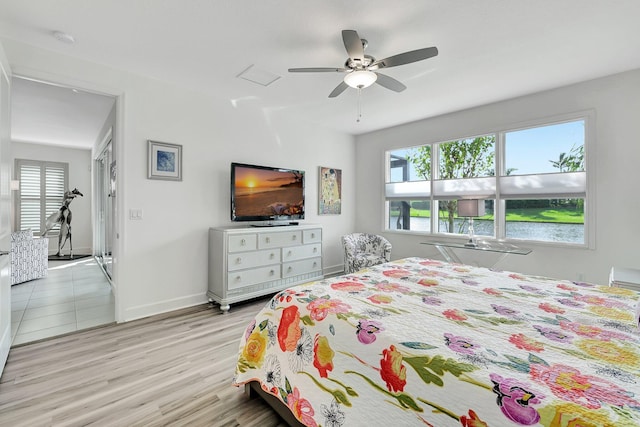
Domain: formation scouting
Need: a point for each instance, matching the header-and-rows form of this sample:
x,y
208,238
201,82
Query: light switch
x,y
135,214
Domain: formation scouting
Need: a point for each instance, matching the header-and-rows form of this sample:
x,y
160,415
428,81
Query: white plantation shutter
x,y
42,187
55,185
29,201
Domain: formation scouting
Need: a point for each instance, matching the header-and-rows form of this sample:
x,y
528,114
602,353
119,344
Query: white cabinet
x,y
249,262
625,278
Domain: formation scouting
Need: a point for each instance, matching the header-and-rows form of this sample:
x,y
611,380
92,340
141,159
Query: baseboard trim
x,y
161,307
334,270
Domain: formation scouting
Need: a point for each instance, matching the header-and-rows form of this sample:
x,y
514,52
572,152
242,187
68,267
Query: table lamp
x,y
471,208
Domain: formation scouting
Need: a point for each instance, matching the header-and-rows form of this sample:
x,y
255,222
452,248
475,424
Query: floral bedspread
x,y
423,342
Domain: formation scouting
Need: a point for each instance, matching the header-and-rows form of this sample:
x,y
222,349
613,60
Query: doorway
x,y
59,120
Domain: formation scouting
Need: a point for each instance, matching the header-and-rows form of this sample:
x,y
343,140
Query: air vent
x,y
255,75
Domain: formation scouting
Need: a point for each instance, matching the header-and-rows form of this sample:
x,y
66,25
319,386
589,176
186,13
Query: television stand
x,y
249,262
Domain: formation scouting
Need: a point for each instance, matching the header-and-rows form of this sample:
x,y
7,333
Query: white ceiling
x,y
47,114
489,49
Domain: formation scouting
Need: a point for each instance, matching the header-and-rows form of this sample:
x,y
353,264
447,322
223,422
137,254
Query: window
x,y
533,182
409,206
545,183
42,187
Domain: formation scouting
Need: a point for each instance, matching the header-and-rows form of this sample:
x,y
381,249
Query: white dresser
x,y
247,262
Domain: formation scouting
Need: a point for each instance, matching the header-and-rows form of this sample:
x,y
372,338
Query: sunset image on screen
x,y
267,192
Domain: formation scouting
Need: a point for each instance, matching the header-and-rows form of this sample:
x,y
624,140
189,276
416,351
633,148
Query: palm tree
x,y
562,162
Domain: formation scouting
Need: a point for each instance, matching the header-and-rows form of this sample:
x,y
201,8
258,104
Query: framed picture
x,y
330,194
165,161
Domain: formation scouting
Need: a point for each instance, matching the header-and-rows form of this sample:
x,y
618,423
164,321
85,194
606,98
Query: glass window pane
x,y
549,220
467,158
414,215
545,149
450,222
410,164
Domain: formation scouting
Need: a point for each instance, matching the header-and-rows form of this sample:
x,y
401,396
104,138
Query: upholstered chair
x,y
29,256
363,250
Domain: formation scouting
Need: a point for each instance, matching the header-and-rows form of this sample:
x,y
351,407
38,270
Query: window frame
x,y
588,116
42,199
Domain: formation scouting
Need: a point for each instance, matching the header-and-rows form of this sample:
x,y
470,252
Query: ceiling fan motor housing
x,y
356,64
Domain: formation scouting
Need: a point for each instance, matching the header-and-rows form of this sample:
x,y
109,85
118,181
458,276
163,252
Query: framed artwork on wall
x,y
330,193
165,161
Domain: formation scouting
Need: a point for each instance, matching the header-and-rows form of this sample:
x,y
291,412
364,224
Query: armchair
x,y
364,250
29,256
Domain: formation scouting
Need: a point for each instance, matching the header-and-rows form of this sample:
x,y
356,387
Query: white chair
x,y
29,257
363,250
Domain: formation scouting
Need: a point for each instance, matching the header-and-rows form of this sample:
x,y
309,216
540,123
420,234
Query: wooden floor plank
x,y
171,369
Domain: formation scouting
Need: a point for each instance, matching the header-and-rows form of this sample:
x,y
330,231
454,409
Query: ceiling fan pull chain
x,y
359,105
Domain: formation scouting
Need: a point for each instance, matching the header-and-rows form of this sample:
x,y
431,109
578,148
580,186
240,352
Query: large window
x,y
42,187
532,181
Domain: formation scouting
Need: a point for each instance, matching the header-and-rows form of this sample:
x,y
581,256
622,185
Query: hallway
x,y
75,295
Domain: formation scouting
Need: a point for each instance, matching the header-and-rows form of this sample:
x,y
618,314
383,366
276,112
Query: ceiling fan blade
x,y
390,83
405,58
338,90
353,44
318,70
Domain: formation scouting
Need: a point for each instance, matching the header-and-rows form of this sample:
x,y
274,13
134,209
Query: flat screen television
x,y
263,193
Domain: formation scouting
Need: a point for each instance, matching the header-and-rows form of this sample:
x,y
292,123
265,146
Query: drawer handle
x,y
289,253
289,270
243,242
315,250
238,278
238,260
271,272
272,255
293,237
315,263
313,235
268,239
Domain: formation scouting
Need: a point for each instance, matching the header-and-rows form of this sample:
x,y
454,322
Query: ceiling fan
x,y
362,69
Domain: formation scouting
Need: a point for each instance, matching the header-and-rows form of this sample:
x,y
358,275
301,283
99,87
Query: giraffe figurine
x,y
63,217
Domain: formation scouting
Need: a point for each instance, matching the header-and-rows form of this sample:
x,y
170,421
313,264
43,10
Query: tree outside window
x,y
466,158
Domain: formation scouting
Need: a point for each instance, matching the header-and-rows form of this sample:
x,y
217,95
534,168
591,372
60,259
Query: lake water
x,y
541,231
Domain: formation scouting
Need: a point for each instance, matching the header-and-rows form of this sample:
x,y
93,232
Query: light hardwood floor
x,y
172,369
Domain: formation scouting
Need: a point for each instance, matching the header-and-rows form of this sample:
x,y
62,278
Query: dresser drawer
x,y
244,260
301,252
279,239
296,268
312,236
241,278
243,242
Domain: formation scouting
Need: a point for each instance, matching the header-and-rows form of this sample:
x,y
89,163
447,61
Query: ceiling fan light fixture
x,y
360,79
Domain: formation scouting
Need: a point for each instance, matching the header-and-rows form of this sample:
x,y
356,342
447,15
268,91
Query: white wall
x,y
79,177
160,262
616,102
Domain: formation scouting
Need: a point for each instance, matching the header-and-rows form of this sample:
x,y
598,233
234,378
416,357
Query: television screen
x,y
261,193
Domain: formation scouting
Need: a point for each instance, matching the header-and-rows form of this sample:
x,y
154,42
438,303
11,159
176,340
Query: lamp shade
x,y
360,79
470,207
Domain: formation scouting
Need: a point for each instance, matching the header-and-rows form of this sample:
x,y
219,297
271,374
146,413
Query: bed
x,y
425,342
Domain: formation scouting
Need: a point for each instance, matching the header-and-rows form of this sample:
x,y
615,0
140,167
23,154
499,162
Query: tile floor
x,y
75,295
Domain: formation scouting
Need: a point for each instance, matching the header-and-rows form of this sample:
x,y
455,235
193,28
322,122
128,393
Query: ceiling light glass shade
x,y
360,79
